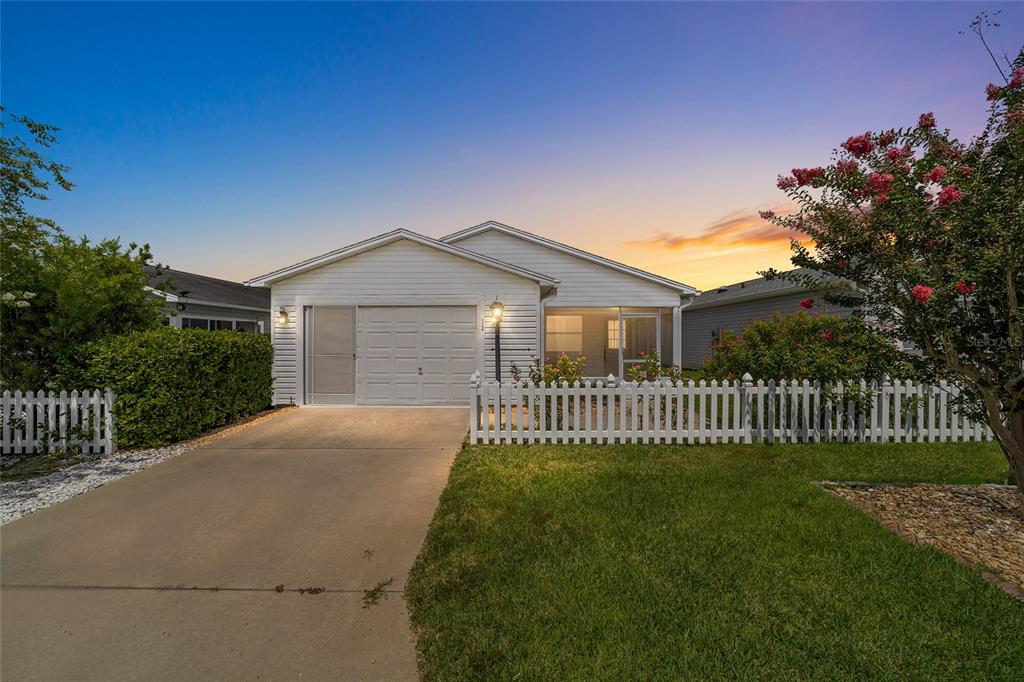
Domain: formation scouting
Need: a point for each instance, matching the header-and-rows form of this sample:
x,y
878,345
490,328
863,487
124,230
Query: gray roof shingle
x,y
756,287
202,288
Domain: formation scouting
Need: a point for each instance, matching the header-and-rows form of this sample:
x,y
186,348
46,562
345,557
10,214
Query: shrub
x,y
173,384
652,369
826,348
564,370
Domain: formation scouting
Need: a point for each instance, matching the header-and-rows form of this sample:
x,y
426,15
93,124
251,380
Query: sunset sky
x,y
238,138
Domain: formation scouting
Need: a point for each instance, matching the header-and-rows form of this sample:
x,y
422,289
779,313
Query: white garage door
x,y
415,356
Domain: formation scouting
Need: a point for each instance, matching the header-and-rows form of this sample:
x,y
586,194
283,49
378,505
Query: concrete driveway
x,y
201,567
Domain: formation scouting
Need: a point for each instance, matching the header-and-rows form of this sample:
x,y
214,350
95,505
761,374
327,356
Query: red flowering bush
x,y
825,348
934,256
921,293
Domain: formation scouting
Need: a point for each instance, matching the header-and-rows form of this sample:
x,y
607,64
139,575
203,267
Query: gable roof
x,y
565,248
178,285
751,289
388,238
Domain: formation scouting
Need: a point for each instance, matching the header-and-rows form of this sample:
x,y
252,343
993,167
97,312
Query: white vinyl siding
x,y
582,283
411,274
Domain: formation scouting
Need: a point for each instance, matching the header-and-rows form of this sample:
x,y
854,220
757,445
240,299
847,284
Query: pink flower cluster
x,y
899,154
805,176
880,184
950,194
965,289
926,121
922,293
935,174
994,92
847,166
859,145
788,182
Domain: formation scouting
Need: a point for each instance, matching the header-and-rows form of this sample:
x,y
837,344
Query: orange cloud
x,y
740,228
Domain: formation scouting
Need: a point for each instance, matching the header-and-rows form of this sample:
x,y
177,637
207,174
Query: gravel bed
x,y
19,498
975,524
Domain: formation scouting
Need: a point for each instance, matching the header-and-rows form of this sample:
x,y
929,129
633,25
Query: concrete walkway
x,y
201,567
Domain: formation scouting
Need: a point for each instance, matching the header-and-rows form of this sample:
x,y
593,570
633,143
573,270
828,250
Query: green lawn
x,y
659,562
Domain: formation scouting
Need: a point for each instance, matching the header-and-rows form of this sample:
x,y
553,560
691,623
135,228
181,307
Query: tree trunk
x,y
1013,449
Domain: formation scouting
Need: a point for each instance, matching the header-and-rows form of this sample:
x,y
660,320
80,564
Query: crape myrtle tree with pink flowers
x,y
927,234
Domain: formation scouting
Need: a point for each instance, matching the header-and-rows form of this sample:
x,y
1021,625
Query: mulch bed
x,y
975,524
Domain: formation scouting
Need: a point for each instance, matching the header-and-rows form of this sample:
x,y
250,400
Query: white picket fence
x,y
717,412
35,422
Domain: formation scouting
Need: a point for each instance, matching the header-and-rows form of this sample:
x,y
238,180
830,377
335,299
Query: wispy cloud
x,y
739,228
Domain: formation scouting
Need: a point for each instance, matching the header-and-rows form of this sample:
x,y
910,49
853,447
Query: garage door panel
x,y
376,391
463,316
377,341
416,355
463,341
406,367
377,366
409,316
407,392
463,367
435,367
407,340
376,317
436,391
434,341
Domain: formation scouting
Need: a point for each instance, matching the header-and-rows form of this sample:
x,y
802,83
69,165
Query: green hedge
x,y
173,384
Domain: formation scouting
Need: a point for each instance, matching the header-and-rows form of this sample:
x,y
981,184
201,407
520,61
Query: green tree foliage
x,y
825,348
57,293
929,234
173,384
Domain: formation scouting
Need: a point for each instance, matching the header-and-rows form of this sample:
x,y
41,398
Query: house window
x,y
564,334
218,325
613,334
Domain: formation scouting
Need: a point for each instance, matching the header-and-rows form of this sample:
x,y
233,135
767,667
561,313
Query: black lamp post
x,y
497,311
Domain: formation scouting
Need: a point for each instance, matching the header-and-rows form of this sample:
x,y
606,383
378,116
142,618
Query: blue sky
x,y
237,138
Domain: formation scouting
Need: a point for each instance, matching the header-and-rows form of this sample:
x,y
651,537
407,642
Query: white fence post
x,y
748,403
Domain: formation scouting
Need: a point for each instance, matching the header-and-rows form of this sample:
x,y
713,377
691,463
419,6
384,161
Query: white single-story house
x,y
194,301
405,319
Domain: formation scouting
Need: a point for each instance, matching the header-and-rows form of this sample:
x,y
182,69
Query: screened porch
x,y
610,339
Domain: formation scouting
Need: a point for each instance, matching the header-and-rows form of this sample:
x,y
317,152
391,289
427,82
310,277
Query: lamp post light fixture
x,y
282,316
497,312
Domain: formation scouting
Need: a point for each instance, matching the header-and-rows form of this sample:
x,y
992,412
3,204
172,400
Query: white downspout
x,y
677,331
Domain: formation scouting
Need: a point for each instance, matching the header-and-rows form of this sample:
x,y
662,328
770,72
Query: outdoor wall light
x,y
282,316
497,312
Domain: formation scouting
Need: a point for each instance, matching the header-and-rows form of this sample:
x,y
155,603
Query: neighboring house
x,y
735,306
198,301
404,319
